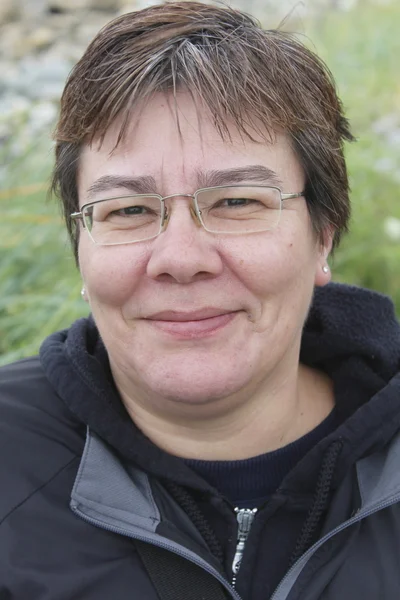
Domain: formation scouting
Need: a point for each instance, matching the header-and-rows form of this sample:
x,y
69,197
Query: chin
x,y
198,388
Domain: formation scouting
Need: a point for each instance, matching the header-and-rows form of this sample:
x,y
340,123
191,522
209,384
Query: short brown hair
x,y
227,60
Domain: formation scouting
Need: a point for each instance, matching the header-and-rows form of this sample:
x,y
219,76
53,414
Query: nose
x,y
184,251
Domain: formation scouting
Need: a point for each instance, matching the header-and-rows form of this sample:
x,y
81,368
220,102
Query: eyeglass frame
x,y
164,217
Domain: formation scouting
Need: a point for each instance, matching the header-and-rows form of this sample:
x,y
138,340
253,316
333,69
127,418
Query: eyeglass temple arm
x,y
289,196
78,216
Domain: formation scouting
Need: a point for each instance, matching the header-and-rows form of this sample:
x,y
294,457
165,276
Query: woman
x,y
225,424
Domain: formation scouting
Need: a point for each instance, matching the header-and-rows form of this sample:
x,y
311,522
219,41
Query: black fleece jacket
x,y
353,336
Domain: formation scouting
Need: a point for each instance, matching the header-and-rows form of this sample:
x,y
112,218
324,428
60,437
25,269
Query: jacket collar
x,y
119,498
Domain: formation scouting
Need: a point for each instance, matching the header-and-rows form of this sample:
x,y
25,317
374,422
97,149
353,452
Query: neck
x,y
250,424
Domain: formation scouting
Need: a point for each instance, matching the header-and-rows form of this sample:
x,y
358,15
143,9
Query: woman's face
x,y
193,316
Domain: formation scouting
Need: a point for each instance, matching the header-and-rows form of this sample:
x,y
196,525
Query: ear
x,y
323,273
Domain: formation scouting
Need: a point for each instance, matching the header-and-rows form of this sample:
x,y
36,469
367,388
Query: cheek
x,y
111,274
272,264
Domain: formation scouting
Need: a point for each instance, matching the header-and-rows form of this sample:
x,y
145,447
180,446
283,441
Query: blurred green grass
x,y
362,49
39,283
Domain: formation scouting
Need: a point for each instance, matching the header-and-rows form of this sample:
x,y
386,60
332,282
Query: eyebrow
x,y
136,185
147,184
248,173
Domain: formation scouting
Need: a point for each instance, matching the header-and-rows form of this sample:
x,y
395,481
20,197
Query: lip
x,y
194,324
185,316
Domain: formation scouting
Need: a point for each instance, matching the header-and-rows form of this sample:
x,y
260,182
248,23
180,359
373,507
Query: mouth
x,y
191,325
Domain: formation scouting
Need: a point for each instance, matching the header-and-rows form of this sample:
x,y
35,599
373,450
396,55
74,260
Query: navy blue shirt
x,y
249,483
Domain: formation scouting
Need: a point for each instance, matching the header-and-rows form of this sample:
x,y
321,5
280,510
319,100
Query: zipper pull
x,y
245,518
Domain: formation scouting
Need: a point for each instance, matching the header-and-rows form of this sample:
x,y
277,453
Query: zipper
x,y
143,538
245,518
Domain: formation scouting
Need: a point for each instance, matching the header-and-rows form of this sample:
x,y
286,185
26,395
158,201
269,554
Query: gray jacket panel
x,y
376,533
107,496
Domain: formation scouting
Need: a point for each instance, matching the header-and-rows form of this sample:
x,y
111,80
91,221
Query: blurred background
x,y
40,40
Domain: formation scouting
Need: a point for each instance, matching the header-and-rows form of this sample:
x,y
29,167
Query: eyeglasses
x,y
222,209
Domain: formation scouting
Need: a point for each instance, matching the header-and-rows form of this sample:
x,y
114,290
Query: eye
x,y
232,202
235,204
130,211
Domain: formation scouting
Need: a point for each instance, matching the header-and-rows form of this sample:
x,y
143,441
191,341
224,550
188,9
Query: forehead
x,y
173,140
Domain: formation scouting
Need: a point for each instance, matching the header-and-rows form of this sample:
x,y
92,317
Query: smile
x,y
191,325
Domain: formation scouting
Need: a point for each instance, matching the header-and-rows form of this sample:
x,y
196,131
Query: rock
x,y
42,77
86,31
10,41
13,111
8,75
66,51
41,38
66,6
41,117
73,5
12,105
9,10
126,6
18,40
107,5
63,23
32,10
